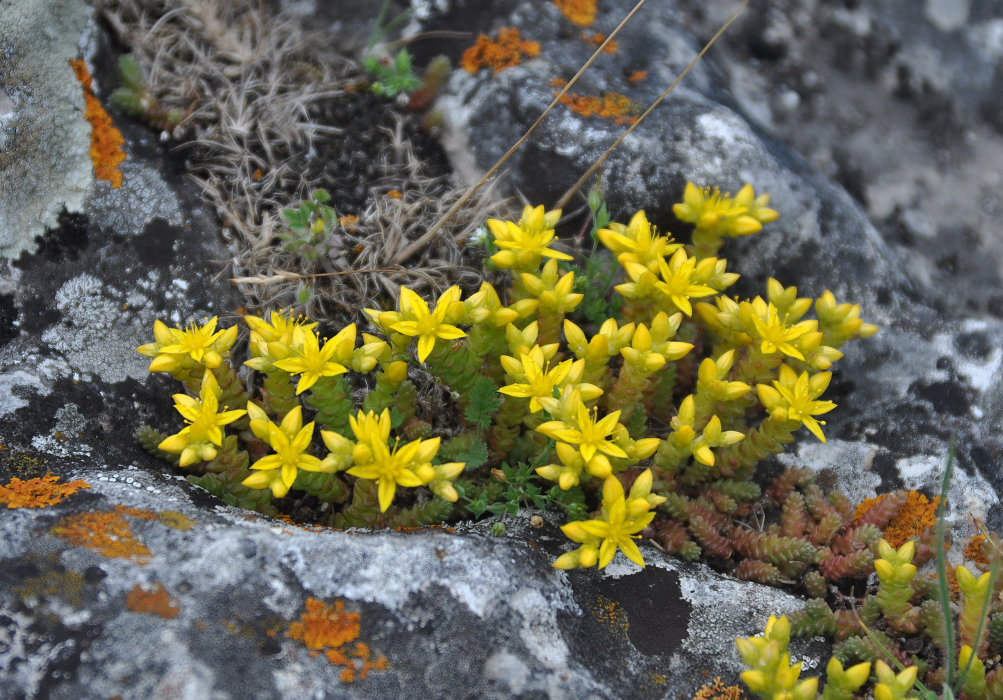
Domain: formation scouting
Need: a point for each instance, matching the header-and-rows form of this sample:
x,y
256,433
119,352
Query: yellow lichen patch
x,y
176,520
719,691
579,12
105,532
637,76
55,582
610,105
40,492
610,614
331,630
913,518
157,602
504,52
597,38
106,140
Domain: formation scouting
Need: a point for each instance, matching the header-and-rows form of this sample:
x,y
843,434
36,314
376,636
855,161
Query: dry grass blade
x,y
430,235
595,166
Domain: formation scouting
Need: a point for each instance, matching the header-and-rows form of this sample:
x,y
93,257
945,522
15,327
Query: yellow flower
x,y
290,440
588,432
776,335
311,361
713,436
678,284
523,245
273,340
612,530
540,381
712,378
408,465
484,306
891,686
710,209
204,432
195,345
425,325
795,397
637,242
555,293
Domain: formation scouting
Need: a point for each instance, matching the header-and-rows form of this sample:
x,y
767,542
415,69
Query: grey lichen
x,y
44,139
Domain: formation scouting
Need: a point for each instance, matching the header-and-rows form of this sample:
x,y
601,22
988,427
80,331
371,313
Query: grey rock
x,y
456,609
44,139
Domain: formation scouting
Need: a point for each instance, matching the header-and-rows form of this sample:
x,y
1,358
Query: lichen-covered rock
x,y
143,584
44,139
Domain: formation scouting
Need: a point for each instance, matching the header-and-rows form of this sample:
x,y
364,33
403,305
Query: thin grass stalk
x,y
595,166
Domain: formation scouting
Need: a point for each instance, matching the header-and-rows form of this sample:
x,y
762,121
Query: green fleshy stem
x,y
149,439
233,394
325,486
627,393
487,341
739,460
706,243
658,395
507,427
332,398
383,395
550,323
456,366
278,394
223,476
753,367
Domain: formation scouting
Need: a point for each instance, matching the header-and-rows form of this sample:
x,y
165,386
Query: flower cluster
x,y
678,396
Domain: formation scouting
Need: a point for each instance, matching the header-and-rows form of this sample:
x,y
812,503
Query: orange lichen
x,y
348,221
41,492
637,76
105,532
158,601
719,691
913,518
610,614
610,105
504,52
331,630
974,550
106,140
597,38
394,194
579,12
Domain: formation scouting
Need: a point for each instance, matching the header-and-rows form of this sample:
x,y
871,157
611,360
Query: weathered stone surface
x,y
931,371
448,609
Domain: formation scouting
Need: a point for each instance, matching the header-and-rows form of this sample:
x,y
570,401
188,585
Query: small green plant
x,y
310,227
134,98
392,74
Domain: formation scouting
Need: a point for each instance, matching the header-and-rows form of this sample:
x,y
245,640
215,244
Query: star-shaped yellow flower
x,y
589,432
540,381
290,440
613,529
795,397
204,432
524,244
311,361
427,325
677,281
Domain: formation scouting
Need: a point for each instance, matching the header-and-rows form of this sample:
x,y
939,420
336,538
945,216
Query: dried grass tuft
x,y
254,84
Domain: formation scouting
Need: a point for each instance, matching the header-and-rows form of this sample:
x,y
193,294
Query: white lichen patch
x,y
64,438
95,336
849,462
143,196
45,157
